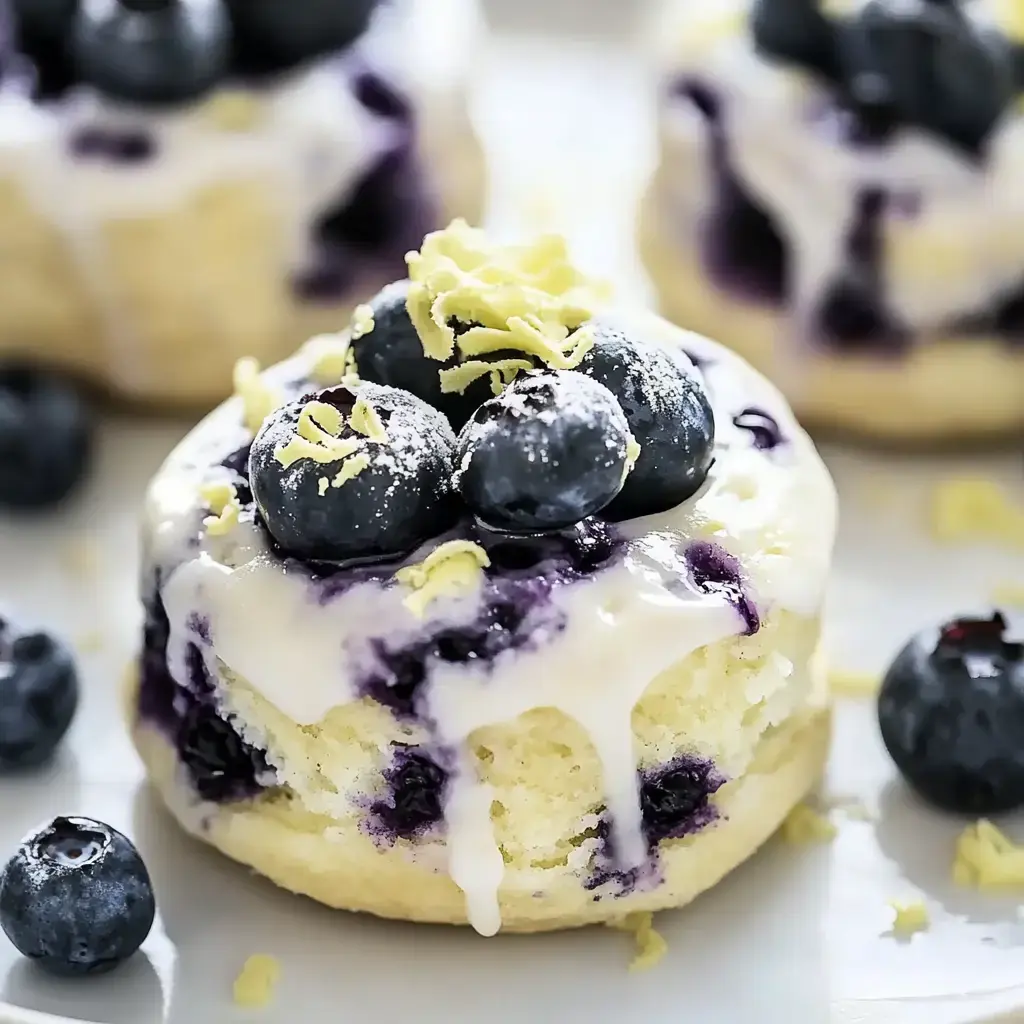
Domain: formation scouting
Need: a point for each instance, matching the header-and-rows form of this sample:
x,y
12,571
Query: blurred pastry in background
x,y
185,181
839,199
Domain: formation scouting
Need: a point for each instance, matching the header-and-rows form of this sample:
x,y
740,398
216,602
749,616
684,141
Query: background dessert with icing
x,y
838,198
515,697
187,181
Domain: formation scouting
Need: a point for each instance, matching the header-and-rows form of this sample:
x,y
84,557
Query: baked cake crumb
x,y
254,986
910,917
987,858
805,826
972,508
843,683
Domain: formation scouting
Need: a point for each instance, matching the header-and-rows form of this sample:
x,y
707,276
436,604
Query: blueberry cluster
x,y
951,713
167,52
629,432
924,63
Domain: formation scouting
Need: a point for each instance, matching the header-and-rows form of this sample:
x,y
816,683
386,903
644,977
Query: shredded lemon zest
x,y
987,858
316,437
362,322
259,399
222,501
365,420
910,917
452,568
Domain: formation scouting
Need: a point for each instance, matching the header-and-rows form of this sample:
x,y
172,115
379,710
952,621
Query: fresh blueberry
x,y
76,897
392,354
668,414
675,797
221,765
45,437
796,31
152,52
928,65
38,696
548,452
951,712
42,29
273,36
358,496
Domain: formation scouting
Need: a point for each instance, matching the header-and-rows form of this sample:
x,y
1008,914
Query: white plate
x,y
797,936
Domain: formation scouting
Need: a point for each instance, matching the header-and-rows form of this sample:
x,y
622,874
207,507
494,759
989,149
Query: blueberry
x,y
392,354
273,36
352,495
796,31
76,897
43,28
417,787
38,697
951,712
548,452
45,437
221,765
674,797
152,52
927,65
668,414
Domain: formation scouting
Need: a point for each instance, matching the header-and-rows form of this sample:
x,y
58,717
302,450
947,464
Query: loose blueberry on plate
x,y
951,712
927,65
668,414
272,36
548,452
45,437
152,52
76,897
354,496
796,31
392,354
38,696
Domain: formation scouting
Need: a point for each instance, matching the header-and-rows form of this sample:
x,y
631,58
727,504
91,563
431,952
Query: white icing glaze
x,y
808,179
774,511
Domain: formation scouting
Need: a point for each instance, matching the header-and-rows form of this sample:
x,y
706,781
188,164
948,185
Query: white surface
x,y
794,937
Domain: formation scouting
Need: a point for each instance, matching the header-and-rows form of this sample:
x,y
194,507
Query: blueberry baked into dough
x,y
183,182
838,199
502,608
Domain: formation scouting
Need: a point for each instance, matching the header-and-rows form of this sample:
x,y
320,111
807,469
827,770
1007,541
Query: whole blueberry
x,y
392,354
42,29
152,52
796,31
38,696
951,712
271,35
76,897
45,437
926,65
383,500
550,450
668,413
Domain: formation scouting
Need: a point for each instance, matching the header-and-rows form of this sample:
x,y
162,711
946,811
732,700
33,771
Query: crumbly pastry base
x,y
177,298
951,389
350,872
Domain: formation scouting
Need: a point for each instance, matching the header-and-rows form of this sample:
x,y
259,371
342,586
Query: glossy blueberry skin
x,y
152,53
928,66
668,413
951,713
400,500
45,437
76,897
545,454
392,354
42,29
38,697
271,35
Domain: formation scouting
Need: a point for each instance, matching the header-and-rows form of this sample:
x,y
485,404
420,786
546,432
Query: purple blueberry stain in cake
x,y
381,98
415,791
123,146
742,248
763,428
220,765
714,571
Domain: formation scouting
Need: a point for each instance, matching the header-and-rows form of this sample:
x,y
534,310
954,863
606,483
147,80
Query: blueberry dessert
x,y
76,897
951,712
185,182
836,197
38,696
539,672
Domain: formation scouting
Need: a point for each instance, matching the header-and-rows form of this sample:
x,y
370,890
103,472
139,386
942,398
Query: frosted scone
x,y
500,609
183,182
839,200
